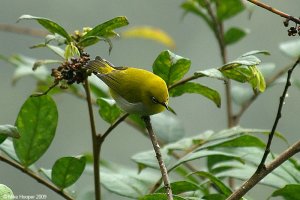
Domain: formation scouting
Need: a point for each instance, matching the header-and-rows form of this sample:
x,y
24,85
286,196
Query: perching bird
x,y
136,91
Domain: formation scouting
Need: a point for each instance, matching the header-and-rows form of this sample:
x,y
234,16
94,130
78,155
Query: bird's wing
x,y
102,66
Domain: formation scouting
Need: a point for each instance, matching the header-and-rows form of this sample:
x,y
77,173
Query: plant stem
x,y
278,115
36,177
218,29
114,125
95,141
262,169
161,163
274,10
258,176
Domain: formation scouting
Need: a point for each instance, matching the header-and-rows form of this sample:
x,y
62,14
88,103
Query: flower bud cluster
x,y
293,30
71,71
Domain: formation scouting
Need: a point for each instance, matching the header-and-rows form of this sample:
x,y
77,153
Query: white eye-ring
x,y
154,100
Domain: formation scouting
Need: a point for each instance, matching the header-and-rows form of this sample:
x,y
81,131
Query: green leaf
x,y
288,192
36,122
126,181
291,48
8,147
186,143
170,67
67,170
167,127
108,110
6,193
93,40
212,73
239,73
55,38
180,187
248,60
159,196
243,141
218,183
193,6
245,171
71,51
2,138
137,121
244,69
229,8
234,35
105,29
202,154
196,88
57,50
148,159
51,26
214,197
89,41
8,131
256,52
257,81
24,67
123,184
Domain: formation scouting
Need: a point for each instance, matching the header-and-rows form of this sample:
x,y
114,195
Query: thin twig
x,y
278,115
114,125
23,30
36,177
46,92
218,30
256,177
182,81
95,141
269,82
262,169
274,10
161,163
186,164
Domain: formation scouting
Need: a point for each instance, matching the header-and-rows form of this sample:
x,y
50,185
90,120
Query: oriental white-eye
x,y
135,91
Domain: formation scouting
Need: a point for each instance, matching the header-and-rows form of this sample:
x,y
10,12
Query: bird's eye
x,y
154,100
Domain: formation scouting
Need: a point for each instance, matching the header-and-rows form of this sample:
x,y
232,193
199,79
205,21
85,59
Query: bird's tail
x,y
100,65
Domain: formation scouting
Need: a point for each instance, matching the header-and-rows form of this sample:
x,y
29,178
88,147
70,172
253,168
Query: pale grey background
x,y
193,40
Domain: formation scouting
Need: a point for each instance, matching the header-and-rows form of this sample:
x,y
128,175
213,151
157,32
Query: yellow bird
x,y
135,91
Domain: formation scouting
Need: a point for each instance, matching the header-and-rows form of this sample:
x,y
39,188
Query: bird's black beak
x,y
165,105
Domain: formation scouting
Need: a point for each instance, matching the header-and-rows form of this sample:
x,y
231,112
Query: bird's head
x,y
157,95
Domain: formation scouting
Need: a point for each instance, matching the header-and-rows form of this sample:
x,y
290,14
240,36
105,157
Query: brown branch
x,y
95,141
46,92
258,176
36,177
23,30
278,115
274,10
183,81
161,163
262,169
